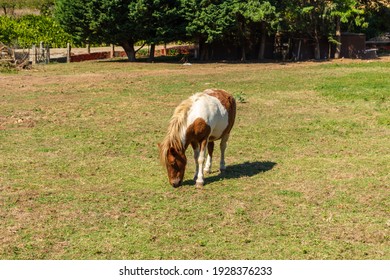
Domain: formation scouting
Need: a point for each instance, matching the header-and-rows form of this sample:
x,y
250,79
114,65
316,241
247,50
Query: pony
x,y
198,121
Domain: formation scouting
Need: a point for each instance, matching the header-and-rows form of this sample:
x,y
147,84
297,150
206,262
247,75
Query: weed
x,y
240,97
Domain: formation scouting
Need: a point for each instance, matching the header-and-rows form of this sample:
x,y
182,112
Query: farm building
x,y
382,43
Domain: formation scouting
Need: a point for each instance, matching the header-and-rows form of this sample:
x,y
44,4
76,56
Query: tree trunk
x,y
299,50
338,38
262,42
206,55
9,9
128,47
151,54
317,51
204,52
243,53
242,29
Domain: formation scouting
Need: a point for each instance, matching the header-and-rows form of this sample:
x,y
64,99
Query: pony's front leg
x,y
195,147
202,153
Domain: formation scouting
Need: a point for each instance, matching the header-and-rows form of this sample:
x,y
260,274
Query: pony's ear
x,y
159,145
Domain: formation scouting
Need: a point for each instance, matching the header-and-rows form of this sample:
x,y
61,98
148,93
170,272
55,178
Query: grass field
x,y
308,163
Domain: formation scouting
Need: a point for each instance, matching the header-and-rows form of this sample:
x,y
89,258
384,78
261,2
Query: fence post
x,y
41,50
112,51
34,55
47,54
68,52
88,46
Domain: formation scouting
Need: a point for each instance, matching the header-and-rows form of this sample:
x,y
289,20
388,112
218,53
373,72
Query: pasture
x,y
308,163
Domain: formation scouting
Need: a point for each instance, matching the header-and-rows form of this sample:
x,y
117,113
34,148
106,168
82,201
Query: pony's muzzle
x,y
176,183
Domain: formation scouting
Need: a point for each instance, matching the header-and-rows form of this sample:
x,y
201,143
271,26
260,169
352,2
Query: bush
x,y
7,30
31,29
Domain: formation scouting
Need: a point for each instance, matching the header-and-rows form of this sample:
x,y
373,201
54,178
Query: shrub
x,y
32,29
7,30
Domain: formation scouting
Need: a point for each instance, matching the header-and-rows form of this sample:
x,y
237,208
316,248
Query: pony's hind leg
x,y
223,146
210,150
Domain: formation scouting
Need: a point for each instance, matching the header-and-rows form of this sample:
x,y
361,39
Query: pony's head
x,y
175,162
172,150
176,165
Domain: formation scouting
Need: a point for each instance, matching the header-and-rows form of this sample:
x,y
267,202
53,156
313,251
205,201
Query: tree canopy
x,y
125,22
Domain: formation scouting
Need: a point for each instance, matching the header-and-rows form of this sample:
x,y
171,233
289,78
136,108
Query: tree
x,y
312,17
321,18
251,16
73,17
122,22
159,21
238,21
8,7
377,13
100,21
207,22
341,12
245,23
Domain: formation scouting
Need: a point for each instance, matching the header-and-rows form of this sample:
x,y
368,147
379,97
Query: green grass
x,y
307,178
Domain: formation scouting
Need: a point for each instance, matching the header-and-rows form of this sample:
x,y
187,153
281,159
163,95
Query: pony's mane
x,y
177,123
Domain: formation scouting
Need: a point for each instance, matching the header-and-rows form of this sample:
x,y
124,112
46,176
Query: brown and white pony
x,y
200,120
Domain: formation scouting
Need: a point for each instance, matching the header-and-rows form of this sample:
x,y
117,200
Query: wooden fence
x,y
43,54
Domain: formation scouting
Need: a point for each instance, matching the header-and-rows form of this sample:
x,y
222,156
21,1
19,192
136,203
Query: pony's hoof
x,y
199,185
207,171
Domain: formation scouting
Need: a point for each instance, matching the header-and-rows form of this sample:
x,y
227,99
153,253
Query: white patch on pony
x,y
207,167
210,109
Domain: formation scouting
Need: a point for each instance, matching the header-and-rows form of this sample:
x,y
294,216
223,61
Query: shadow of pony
x,y
246,169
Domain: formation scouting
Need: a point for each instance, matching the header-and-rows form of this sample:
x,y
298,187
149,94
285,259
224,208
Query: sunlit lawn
x,y
308,163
